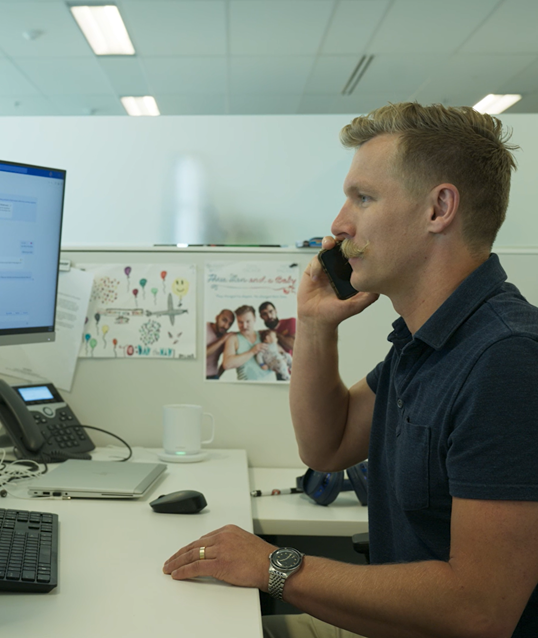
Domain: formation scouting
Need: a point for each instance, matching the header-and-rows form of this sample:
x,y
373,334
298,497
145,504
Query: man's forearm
x,y
318,398
236,360
415,600
213,347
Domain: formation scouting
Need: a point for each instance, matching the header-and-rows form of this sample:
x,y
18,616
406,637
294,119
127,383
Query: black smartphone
x,y
338,271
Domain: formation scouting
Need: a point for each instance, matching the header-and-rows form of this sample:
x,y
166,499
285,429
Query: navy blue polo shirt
x,y
456,415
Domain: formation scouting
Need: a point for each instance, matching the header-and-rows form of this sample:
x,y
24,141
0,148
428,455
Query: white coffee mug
x,y
182,425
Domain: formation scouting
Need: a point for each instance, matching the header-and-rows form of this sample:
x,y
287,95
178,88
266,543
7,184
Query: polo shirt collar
x,y
468,296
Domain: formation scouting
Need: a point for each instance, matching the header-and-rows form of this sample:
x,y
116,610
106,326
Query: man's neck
x,y
433,286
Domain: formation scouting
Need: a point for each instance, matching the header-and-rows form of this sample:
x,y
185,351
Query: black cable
x,y
91,427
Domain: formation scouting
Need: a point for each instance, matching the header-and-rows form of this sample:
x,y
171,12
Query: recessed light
x,y
145,105
104,29
494,104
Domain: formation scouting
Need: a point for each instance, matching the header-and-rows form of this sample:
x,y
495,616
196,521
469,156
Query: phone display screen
x,y
338,270
35,393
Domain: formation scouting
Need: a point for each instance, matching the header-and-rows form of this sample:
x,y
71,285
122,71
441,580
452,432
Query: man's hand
x,y
231,555
258,347
316,298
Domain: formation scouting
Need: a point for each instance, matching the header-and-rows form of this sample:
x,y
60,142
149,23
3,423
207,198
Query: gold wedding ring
x,y
202,553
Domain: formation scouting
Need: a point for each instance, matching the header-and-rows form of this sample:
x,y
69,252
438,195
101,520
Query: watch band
x,y
277,580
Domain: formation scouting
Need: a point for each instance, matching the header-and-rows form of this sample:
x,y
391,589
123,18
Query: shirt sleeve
x,y
372,378
493,445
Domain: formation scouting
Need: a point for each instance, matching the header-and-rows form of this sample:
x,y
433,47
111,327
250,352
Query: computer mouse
x,y
183,502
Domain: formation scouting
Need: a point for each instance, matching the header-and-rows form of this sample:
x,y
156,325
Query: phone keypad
x,y
62,429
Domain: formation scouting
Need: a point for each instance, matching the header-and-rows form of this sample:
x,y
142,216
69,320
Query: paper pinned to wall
x,y
55,361
141,311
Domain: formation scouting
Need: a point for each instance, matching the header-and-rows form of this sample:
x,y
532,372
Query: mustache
x,y
349,250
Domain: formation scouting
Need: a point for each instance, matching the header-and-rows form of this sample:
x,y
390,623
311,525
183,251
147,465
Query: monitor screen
x,y
31,209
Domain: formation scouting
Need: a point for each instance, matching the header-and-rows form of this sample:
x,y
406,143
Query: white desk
x,y
110,563
296,514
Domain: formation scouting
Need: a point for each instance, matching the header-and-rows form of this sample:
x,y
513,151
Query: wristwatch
x,y
282,563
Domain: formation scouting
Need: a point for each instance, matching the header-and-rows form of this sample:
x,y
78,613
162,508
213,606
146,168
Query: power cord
x,y
17,470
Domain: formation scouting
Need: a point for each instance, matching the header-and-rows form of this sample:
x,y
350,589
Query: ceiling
x,y
240,57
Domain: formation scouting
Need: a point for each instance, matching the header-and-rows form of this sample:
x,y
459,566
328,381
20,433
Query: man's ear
x,y
444,205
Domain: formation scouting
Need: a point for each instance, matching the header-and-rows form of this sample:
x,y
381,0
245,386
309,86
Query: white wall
x,y
265,179
270,179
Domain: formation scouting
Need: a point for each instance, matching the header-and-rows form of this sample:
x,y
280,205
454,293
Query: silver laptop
x,y
97,479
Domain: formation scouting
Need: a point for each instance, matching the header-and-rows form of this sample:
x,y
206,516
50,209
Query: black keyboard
x,y
28,551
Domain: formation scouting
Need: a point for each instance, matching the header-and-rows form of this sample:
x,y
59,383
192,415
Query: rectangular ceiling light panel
x,y
145,105
494,104
104,29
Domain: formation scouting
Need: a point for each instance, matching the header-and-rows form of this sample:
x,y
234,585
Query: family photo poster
x,y
250,318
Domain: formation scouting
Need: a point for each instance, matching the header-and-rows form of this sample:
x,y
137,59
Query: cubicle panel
x,y
126,395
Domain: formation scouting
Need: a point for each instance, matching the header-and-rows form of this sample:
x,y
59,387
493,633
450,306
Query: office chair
x,y
361,544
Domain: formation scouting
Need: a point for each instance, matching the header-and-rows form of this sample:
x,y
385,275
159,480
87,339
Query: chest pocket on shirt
x,y
412,460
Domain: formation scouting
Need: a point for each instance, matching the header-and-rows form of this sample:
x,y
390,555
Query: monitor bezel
x,y
37,334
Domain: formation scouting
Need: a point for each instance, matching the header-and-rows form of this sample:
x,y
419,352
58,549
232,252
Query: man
x,y
284,328
448,420
243,346
216,336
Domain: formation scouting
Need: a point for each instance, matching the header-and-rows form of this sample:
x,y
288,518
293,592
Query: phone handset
x,y
18,421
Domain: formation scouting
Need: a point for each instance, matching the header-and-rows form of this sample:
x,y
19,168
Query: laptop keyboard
x,y
28,551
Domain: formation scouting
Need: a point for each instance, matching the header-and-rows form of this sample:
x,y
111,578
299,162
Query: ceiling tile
x,y
13,82
524,82
264,104
35,105
512,28
406,72
476,74
278,27
176,28
62,76
58,33
88,105
330,74
427,26
528,104
353,104
353,25
183,75
125,74
192,104
269,75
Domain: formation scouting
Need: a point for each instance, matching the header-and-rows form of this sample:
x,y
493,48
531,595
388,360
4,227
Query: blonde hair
x,y
456,145
243,310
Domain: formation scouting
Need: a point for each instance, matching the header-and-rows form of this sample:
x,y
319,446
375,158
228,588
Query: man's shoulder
x,y
512,313
286,323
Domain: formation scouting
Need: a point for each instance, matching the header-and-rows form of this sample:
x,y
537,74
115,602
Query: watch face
x,y
287,558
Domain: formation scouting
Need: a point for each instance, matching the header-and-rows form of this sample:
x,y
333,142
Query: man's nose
x,y
344,223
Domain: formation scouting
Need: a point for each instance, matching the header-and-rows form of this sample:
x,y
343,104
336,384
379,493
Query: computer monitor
x,y
31,211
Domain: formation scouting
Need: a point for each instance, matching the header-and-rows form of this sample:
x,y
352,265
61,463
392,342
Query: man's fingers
x,y
193,569
328,242
193,554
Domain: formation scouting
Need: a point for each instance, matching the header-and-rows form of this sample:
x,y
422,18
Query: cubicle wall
x,y
126,395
